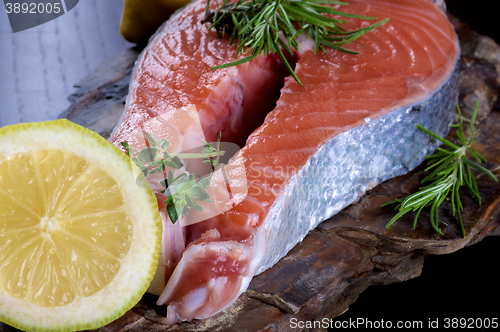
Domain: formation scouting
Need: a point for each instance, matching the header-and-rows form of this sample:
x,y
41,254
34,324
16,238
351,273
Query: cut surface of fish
x,y
308,151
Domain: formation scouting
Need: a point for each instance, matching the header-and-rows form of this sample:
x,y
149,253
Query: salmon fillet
x,y
307,151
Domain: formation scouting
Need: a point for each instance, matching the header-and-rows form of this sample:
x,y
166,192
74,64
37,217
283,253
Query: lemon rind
x,y
137,267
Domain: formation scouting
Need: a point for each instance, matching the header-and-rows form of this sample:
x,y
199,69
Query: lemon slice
x,y
80,231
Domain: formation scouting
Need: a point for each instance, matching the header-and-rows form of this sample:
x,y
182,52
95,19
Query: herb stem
x,y
259,24
197,155
189,189
451,170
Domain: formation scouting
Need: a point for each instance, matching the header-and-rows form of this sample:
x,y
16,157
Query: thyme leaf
x,y
189,190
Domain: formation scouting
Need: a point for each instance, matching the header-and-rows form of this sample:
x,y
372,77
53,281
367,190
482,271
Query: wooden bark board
x,y
326,272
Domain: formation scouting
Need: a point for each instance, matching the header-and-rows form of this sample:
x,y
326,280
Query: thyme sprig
x,y
451,170
189,189
267,26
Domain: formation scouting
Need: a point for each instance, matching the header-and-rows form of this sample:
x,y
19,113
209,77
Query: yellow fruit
x,y
80,231
141,18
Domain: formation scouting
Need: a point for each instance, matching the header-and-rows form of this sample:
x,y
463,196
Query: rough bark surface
x,y
347,253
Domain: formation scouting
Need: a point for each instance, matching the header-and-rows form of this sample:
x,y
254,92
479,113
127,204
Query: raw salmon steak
x,y
306,151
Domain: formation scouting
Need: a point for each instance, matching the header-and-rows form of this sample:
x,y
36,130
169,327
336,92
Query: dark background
x,y
481,15
462,284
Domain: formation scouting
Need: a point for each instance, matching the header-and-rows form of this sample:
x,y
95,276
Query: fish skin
x,y
265,239
376,151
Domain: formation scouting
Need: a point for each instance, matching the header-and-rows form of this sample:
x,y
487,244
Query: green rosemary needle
x,y
257,25
451,170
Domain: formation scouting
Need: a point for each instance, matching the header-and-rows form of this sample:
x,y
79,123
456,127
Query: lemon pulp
x,y
79,238
67,212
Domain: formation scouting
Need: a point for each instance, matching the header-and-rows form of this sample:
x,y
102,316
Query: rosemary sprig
x,y
257,25
188,190
451,170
